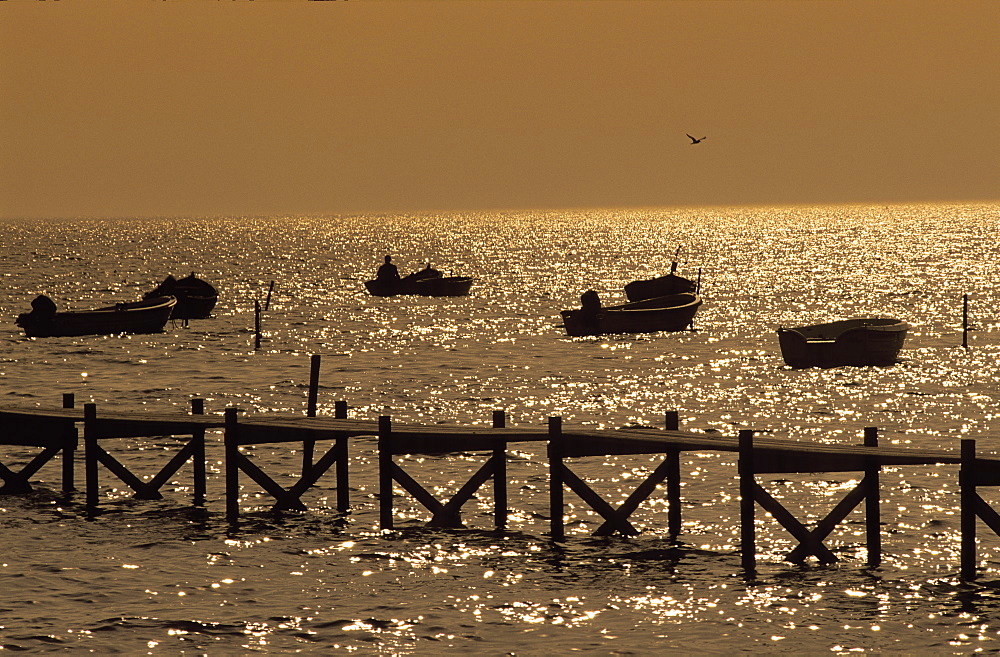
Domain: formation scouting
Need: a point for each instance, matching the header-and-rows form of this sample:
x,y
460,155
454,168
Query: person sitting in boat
x,y
43,309
590,307
428,272
43,306
388,271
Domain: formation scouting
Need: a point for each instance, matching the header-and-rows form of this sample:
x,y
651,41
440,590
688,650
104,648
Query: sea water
x,y
165,578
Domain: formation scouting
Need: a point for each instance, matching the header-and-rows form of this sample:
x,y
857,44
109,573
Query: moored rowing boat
x,y
146,316
862,341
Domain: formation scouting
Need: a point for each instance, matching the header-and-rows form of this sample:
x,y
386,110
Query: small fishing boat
x,y
146,316
863,341
195,298
659,287
427,282
663,285
672,312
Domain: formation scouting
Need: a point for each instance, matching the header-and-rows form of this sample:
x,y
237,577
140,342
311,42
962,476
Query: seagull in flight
x,y
696,141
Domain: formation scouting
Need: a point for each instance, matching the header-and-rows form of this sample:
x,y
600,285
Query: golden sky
x,y
138,108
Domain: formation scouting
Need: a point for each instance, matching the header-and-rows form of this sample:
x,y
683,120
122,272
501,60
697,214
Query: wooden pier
x,y
56,432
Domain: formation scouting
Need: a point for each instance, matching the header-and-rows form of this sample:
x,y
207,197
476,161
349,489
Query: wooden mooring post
x,y
198,454
965,321
312,402
69,450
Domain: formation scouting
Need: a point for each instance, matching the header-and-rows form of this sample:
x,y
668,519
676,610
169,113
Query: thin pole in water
x,y
267,302
256,325
965,321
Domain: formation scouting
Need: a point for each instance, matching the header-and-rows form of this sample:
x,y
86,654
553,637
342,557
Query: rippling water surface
x,y
166,578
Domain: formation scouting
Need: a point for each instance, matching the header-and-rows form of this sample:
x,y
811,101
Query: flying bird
x,y
696,141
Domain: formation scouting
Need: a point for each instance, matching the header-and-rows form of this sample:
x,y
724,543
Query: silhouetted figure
x,y
590,307
43,307
428,272
696,141
43,311
388,271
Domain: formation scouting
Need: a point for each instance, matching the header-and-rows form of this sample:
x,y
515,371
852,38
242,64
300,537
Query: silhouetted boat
x,y
673,312
659,287
863,341
427,282
146,316
195,298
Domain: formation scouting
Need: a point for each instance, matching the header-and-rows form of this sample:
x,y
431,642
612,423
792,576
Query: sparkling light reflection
x,y
320,581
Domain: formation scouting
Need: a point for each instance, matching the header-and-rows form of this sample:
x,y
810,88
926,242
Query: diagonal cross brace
x,y
411,486
987,514
284,499
145,490
611,515
312,474
142,489
638,496
449,513
171,468
453,507
825,526
794,527
17,481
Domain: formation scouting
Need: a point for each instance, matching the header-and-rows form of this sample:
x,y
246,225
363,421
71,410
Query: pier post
x,y
967,487
385,464
69,450
232,446
309,446
556,479
673,458
873,521
90,456
748,535
343,467
198,454
500,474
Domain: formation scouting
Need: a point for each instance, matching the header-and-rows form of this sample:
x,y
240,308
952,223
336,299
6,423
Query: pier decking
x,y
56,431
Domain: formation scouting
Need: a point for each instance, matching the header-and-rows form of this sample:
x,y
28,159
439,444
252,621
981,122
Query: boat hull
x,y
658,287
853,342
196,298
194,307
446,286
673,312
146,316
427,286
